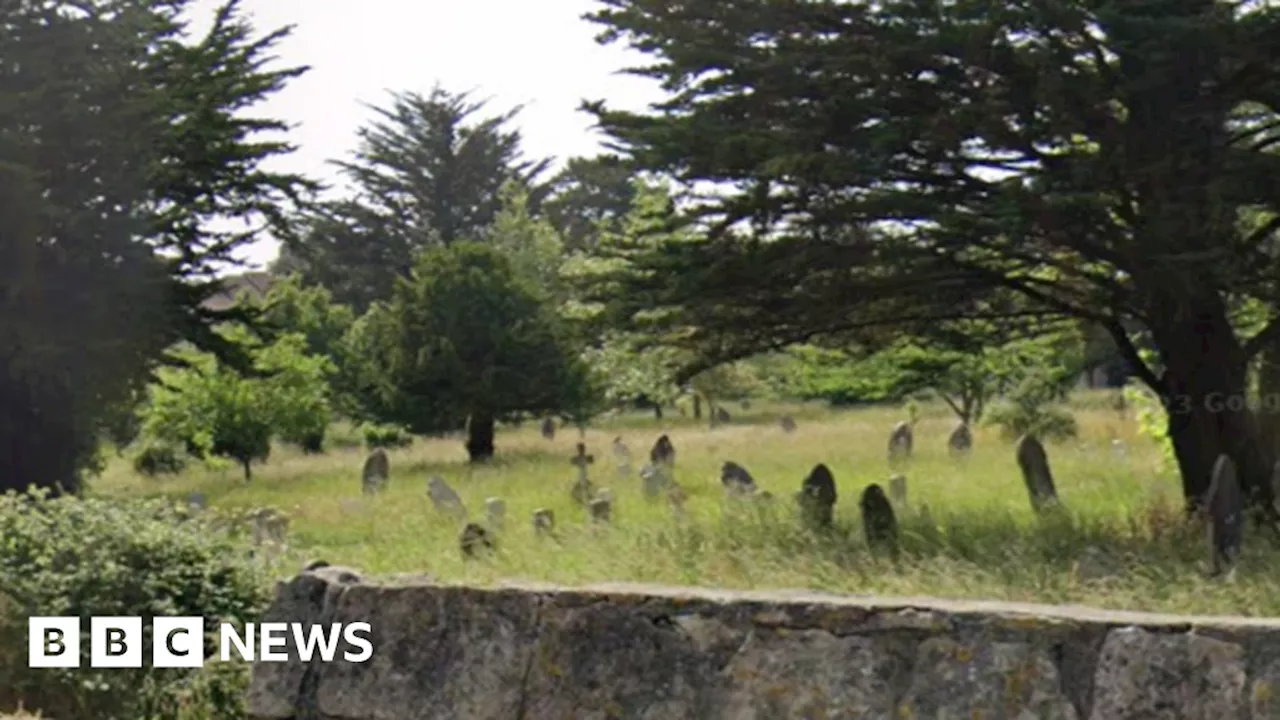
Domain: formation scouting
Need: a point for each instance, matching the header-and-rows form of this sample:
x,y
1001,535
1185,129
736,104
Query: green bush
x,y
93,557
159,459
1033,407
386,436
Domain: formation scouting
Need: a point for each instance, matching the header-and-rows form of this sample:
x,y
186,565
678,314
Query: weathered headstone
x,y
444,498
879,524
898,490
961,440
654,480
495,512
663,452
622,454
817,498
788,424
1034,464
1225,505
582,461
720,416
601,509
376,472
544,521
474,539
549,428
900,442
736,479
197,501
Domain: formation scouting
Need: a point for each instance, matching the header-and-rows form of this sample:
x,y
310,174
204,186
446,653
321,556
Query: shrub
x,y
157,458
1032,407
386,436
85,557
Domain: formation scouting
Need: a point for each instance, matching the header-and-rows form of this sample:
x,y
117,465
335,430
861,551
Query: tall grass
x,y
1122,542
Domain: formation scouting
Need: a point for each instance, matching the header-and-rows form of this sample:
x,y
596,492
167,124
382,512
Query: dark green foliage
x,y
588,197
891,166
157,458
465,338
119,140
87,557
385,436
427,172
1033,406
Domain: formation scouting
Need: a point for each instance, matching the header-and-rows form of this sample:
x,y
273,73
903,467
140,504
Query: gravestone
x,y
376,472
654,480
1034,464
474,539
817,498
900,442
582,491
445,499
269,526
549,429
622,454
601,509
544,521
736,479
898,490
788,424
663,452
495,512
720,416
1225,506
582,461
879,524
961,440
197,501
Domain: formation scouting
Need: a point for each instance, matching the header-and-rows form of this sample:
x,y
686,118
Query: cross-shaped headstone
x,y
581,461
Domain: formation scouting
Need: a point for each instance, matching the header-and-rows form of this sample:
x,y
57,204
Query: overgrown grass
x,y
1123,542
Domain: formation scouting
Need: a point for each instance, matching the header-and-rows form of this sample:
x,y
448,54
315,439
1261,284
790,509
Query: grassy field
x,y
1124,544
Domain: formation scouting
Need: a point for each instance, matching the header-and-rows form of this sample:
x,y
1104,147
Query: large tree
x,y
909,160
427,171
588,197
120,140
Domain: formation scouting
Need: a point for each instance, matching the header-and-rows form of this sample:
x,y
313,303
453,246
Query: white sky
x,y
538,53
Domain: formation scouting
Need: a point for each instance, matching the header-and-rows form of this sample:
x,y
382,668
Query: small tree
x,y
214,411
468,341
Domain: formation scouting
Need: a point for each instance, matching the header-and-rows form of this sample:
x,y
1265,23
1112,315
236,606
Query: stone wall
x,y
625,651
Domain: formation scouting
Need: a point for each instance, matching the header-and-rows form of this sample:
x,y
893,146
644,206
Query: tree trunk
x,y
697,407
480,428
1204,388
657,411
1269,400
248,471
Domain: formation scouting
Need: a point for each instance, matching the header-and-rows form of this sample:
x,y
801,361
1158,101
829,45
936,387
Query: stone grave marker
x,y
474,539
582,461
622,454
817,498
879,525
736,479
788,424
549,428
601,509
961,440
663,452
495,512
544,521
197,501
1225,506
720,416
1034,464
654,480
900,442
898,490
445,499
376,472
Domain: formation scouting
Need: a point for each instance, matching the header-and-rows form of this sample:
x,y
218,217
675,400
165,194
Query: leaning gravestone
x,y
817,498
495,512
445,499
879,524
654,480
622,454
736,479
544,521
1034,464
1225,505
663,452
788,424
900,442
601,509
961,440
549,429
473,539
898,490
376,472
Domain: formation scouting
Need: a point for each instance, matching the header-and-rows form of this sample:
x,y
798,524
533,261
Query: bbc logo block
x,y
53,642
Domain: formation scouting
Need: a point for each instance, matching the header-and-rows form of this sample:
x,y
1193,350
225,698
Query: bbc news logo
x,y
178,642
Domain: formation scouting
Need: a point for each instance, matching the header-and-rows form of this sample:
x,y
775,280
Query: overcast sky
x,y
538,53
